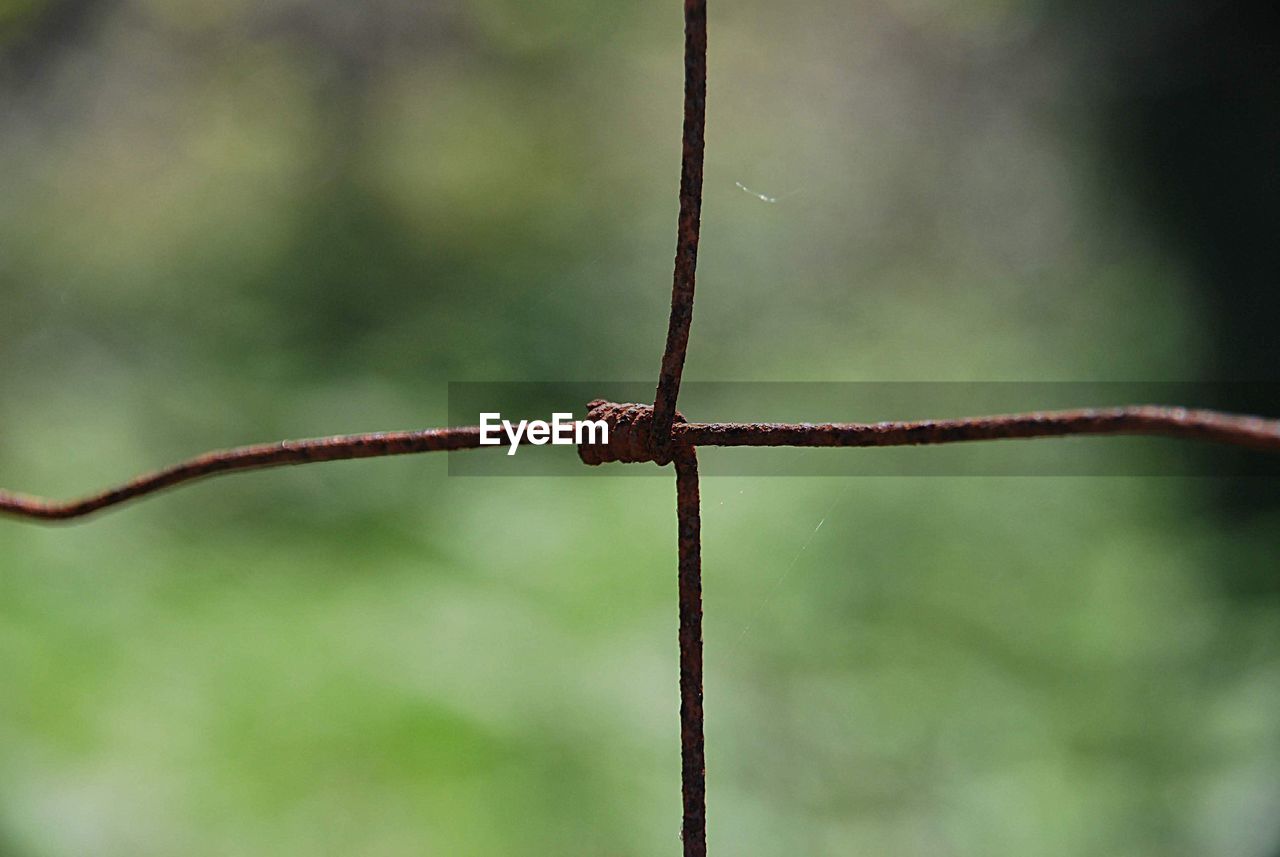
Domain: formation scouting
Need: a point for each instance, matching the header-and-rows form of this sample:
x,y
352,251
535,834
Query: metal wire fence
x,y
659,434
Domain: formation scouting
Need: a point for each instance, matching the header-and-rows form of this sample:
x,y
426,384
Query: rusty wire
x,y
1155,420
639,433
693,759
257,457
630,427
689,227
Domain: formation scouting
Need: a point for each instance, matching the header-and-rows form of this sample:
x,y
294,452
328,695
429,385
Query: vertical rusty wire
x,y
693,773
693,764
692,145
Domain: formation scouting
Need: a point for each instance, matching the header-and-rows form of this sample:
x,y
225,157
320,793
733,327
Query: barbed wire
x,y
660,434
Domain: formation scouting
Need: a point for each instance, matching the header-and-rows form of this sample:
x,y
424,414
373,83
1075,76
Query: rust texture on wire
x,y
692,144
664,415
630,438
693,760
630,441
258,457
1214,426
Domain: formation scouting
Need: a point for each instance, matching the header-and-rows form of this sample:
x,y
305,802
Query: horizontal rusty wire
x,y
1214,426
629,440
257,457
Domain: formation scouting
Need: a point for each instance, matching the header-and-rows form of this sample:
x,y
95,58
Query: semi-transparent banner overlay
x,y
865,402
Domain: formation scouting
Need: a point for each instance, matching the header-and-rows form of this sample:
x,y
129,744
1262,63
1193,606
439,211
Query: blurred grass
x,y
227,222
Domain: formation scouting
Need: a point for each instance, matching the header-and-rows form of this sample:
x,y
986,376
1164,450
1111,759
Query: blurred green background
x,y
227,222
